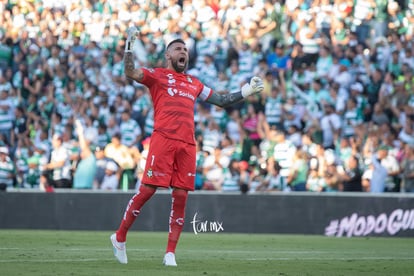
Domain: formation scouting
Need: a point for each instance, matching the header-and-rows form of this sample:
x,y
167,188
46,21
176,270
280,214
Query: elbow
x,y
129,74
222,105
134,74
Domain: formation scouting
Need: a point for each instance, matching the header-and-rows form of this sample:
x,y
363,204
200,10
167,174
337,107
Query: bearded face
x,y
177,57
179,65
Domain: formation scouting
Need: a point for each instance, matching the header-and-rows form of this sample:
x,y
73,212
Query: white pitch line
x,y
73,249
335,259
267,255
248,259
57,260
215,251
186,250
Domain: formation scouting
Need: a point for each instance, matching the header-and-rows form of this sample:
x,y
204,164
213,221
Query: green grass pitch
x,y
39,252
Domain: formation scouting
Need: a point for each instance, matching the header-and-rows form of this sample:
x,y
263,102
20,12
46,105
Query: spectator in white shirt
x,y
111,178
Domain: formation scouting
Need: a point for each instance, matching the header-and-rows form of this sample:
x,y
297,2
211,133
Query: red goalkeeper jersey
x,y
174,96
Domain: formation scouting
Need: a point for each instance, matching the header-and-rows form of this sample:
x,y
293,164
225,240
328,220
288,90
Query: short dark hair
x,y
117,135
175,41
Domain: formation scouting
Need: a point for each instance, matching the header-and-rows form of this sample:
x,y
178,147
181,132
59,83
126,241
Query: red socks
x,y
179,199
133,209
176,223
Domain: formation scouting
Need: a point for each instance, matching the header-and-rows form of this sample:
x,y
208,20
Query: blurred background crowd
x,y
336,114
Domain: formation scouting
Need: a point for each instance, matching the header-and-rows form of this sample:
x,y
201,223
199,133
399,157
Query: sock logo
x,y
180,221
131,201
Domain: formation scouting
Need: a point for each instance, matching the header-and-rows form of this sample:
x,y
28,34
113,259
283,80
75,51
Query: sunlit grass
x,y
24,252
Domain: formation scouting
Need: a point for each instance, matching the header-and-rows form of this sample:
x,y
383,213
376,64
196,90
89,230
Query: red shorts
x,y
170,163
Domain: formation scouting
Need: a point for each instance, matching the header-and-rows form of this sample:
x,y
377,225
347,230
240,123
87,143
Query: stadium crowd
x,y
337,112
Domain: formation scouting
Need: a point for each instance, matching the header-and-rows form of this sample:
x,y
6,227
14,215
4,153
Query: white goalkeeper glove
x,y
132,33
255,86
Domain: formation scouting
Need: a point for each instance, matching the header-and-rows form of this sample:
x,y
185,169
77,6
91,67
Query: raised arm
x,y
225,100
131,72
83,144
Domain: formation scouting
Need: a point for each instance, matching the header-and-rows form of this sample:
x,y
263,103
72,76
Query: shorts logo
x,y
149,173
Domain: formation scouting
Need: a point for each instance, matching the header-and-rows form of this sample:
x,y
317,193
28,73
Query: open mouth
x,y
181,60
181,63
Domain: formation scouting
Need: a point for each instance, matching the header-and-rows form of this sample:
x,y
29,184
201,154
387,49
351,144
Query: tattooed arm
x,y
131,72
225,100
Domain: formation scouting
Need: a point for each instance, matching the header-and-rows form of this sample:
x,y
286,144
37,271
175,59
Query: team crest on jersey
x,y
150,173
190,80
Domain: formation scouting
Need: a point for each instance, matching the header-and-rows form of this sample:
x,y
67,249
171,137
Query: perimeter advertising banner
x,y
340,215
359,225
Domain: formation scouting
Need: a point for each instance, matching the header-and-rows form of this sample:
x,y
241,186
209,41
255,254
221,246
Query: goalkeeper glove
x,y
132,33
255,86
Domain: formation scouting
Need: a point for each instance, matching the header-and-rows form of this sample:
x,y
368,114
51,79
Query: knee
x,y
180,195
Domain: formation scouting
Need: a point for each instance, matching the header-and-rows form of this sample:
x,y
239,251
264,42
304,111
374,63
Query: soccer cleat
x,y
119,250
169,259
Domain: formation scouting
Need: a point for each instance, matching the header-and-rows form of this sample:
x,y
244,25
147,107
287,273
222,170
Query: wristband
x,y
129,45
246,90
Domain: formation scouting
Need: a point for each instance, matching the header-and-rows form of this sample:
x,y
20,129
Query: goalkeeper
x,y
171,161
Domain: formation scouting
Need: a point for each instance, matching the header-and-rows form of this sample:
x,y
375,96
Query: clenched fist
x,y
255,86
132,33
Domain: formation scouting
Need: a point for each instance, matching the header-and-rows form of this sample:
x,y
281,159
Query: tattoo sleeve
x,y
225,100
129,67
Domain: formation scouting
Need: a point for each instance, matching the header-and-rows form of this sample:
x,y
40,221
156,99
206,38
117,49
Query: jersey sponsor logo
x,y
185,84
186,94
172,92
171,80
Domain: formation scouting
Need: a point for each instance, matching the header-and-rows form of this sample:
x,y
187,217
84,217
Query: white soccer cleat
x,y
119,250
169,259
